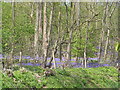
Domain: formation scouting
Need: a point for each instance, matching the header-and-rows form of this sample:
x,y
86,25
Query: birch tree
x,y
10,62
36,36
102,33
46,34
45,43
70,33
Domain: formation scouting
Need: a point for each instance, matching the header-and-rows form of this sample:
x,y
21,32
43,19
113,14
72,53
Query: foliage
x,y
102,77
90,26
117,48
0,79
21,79
23,31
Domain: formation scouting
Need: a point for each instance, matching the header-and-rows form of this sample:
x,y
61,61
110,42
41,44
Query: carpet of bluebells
x,y
73,62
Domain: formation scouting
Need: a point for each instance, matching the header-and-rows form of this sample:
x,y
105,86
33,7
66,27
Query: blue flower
x,y
59,63
37,64
31,59
48,58
97,47
73,60
73,63
92,58
57,59
106,65
36,58
1,56
79,63
26,57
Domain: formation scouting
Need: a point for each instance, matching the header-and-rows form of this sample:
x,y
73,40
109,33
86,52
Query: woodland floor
x,y
33,77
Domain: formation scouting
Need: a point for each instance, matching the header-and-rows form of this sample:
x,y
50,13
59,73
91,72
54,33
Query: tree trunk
x,y
85,49
54,53
59,35
45,42
40,30
36,36
20,59
106,46
46,36
102,34
55,50
70,35
12,38
32,12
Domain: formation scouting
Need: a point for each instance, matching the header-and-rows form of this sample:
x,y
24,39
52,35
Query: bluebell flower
x,y
41,57
92,58
106,65
31,59
36,58
79,63
48,58
73,63
26,57
97,47
63,59
57,59
1,56
59,63
29,64
18,64
73,60
77,66
37,64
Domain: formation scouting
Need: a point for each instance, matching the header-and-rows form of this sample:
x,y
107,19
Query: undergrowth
x,y
33,77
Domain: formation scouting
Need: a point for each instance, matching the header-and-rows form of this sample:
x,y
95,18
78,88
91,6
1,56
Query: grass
x,y
0,80
30,77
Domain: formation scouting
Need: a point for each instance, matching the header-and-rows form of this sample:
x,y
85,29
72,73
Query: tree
x,y
45,42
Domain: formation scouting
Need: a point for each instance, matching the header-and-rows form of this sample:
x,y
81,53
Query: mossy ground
x,y
33,77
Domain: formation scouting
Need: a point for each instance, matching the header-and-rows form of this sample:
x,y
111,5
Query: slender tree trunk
x,y
106,46
50,25
101,45
77,9
108,24
45,42
55,50
78,24
59,35
12,38
85,49
36,36
111,44
40,30
46,36
108,33
20,59
32,12
54,60
54,53
60,50
70,35
102,34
